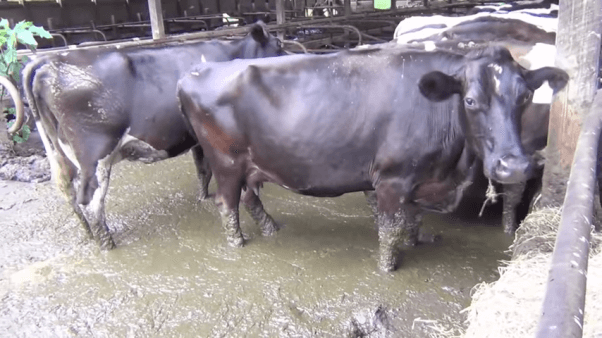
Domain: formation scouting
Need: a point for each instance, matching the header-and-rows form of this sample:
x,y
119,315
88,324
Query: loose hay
x,y
511,306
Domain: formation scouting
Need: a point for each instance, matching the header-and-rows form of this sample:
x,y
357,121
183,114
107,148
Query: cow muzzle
x,y
511,169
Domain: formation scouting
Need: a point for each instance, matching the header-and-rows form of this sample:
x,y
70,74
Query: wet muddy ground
x,y
173,274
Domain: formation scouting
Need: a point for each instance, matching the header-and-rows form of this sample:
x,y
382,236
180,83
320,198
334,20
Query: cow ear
x,y
557,78
259,33
437,86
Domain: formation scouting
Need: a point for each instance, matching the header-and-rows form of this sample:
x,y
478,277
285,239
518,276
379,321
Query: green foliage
x,y
23,33
23,134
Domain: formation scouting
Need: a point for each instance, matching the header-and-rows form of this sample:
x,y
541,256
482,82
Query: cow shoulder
x,y
256,78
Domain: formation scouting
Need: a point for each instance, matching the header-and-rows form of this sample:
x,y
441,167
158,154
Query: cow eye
x,y
525,98
470,102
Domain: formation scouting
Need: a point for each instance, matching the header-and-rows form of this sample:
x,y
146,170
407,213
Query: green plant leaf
x,y
40,31
25,131
22,135
15,71
11,111
26,38
18,139
11,41
10,56
4,23
22,25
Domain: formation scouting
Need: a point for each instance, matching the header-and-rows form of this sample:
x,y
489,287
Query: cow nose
x,y
512,169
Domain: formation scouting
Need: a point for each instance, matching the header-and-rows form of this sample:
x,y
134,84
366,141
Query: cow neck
x,y
238,48
453,65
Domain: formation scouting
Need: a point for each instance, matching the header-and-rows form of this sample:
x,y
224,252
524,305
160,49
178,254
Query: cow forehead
x,y
494,77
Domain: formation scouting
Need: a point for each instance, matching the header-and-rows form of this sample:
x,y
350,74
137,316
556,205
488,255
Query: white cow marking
x,y
50,152
68,151
496,67
429,46
414,23
543,94
497,84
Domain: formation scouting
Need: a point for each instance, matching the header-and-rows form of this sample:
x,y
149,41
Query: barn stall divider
x,y
564,302
77,21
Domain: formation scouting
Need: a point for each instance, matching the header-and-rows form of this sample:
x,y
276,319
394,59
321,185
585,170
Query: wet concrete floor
x,y
173,274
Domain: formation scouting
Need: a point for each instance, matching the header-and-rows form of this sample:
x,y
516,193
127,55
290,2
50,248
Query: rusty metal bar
x,y
563,305
61,36
244,30
343,27
296,43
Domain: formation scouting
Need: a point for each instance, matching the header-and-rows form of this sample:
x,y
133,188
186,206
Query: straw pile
x,y
511,306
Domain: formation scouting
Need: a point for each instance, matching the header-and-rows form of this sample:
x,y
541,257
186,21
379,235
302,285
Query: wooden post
x,y
347,5
280,17
577,52
156,18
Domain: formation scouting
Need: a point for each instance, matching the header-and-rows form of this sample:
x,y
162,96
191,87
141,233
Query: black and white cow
x,y
408,124
94,108
530,39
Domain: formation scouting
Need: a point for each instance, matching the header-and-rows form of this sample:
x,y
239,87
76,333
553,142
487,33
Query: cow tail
x,y
49,139
13,92
28,75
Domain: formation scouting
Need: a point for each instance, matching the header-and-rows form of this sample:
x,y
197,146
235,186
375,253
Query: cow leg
x,y
94,157
68,184
226,200
396,221
203,171
92,195
513,194
372,203
64,173
255,209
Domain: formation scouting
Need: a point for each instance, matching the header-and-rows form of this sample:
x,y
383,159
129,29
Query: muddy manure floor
x,y
173,275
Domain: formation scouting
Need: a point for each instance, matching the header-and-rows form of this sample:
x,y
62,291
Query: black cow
x,y
409,124
531,42
96,107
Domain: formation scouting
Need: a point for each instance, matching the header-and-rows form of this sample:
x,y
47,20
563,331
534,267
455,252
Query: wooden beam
x,y
156,18
577,51
280,18
347,5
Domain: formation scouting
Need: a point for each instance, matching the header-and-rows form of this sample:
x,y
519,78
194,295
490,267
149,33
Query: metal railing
x,y
564,302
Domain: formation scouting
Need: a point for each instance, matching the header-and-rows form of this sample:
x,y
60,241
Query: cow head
x,y
494,90
259,43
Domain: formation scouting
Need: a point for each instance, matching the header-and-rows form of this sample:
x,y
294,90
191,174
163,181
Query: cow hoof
x,y
386,266
422,237
425,237
236,242
270,227
509,230
387,262
203,197
107,244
